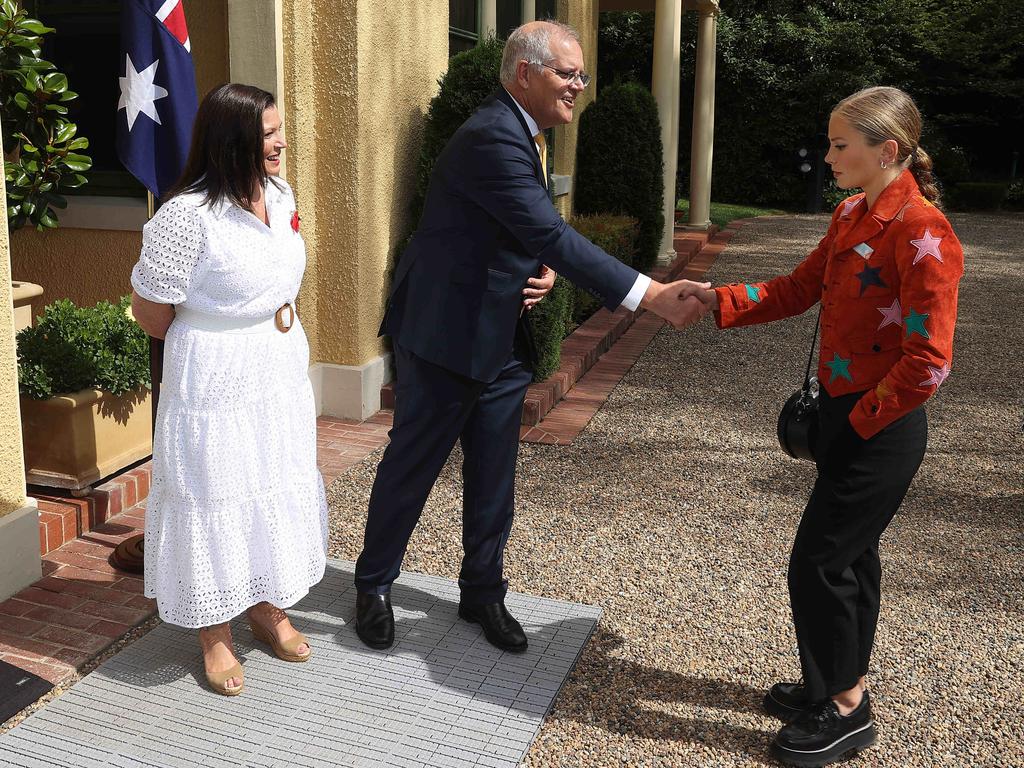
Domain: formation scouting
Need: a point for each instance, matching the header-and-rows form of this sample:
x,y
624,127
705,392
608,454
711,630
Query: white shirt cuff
x,y
636,293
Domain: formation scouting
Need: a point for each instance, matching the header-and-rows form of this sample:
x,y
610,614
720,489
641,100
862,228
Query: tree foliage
x,y
783,64
42,155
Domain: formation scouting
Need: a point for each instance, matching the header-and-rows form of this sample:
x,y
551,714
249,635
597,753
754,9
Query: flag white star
x,y
139,93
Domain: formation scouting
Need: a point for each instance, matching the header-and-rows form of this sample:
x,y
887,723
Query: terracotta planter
x,y
73,441
25,296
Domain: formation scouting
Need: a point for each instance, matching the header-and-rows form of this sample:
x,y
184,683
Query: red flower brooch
x,y
295,221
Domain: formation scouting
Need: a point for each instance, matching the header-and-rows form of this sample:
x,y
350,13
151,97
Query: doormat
x,y
18,689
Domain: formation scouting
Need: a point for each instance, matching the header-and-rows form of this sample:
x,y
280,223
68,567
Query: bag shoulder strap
x,y
810,357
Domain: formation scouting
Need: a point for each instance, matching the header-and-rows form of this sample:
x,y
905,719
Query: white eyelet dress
x,y
236,513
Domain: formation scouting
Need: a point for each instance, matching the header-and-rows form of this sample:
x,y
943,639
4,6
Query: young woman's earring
x,y
883,164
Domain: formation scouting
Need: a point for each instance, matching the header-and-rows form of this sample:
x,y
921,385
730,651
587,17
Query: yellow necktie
x,y
542,145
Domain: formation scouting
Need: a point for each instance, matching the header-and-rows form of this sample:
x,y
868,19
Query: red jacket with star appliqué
x,y
887,279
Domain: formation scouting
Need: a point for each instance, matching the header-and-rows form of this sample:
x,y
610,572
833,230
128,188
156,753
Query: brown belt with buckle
x,y
284,318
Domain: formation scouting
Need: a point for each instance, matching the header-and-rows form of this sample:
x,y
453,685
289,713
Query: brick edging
x,y
63,518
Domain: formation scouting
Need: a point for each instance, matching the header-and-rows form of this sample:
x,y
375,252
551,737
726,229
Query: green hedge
x,y
619,163
72,348
616,234
471,77
551,318
977,195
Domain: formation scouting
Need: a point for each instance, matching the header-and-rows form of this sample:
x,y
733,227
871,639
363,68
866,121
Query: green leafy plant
x,y
42,155
551,319
619,164
617,235
72,348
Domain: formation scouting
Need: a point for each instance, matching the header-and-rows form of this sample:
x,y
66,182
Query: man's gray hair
x,y
533,45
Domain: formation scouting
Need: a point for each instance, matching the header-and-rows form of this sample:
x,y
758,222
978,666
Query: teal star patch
x,y
840,368
753,293
914,323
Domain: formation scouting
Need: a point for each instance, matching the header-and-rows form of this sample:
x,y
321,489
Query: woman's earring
x,y
883,164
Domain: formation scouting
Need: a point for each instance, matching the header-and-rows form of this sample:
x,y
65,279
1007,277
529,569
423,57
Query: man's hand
x,y
681,303
538,287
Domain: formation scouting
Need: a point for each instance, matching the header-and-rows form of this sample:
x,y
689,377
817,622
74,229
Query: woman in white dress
x,y
236,518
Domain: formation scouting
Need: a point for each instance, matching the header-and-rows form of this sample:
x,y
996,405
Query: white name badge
x,y
864,250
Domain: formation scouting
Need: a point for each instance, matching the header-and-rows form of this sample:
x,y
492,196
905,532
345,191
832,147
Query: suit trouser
x,y
434,407
834,570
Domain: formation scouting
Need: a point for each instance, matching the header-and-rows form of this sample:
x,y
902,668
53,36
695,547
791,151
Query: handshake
x,y
681,303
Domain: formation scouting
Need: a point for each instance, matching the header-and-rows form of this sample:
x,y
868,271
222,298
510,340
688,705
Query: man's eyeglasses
x,y
568,77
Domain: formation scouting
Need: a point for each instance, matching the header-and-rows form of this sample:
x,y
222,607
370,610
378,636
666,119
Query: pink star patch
x,y
849,205
891,315
927,245
936,375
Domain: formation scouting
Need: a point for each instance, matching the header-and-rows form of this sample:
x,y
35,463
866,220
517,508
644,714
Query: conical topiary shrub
x,y
471,77
619,163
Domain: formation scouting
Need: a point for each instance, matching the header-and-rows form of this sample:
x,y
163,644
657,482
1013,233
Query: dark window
x,y
463,24
87,48
545,9
510,16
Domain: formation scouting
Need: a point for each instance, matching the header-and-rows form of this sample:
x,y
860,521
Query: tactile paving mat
x,y
441,696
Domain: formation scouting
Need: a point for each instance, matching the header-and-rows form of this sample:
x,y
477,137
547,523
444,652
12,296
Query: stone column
x,y
256,49
19,520
358,81
665,86
703,119
488,18
529,11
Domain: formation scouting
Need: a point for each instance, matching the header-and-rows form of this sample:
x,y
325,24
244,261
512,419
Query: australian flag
x,y
158,92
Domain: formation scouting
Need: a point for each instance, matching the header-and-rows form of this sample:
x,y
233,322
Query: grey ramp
x,y
441,696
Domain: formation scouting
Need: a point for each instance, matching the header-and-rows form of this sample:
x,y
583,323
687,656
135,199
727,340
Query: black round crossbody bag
x,y
798,421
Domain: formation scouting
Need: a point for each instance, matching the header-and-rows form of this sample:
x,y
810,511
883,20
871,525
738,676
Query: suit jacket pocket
x,y
498,280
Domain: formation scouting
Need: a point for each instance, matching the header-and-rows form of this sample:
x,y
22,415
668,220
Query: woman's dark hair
x,y
882,113
225,159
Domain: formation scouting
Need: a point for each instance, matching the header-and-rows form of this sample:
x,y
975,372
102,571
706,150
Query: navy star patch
x,y
870,276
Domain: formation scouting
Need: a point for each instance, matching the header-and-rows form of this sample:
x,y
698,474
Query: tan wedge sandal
x,y
218,681
286,651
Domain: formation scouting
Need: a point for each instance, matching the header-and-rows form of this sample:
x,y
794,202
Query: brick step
x,y
582,348
63,518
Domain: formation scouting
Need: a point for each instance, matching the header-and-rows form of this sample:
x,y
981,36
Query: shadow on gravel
x,y
622,696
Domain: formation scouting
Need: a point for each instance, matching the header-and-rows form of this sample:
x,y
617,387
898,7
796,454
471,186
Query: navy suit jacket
x,y
487,226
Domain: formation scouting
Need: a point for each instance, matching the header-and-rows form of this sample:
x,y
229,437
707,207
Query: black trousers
x,y
434,407
834,570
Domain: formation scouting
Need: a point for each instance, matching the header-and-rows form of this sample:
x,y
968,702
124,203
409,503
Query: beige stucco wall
x,y
582,15
358,78
89,265
12,471
208,31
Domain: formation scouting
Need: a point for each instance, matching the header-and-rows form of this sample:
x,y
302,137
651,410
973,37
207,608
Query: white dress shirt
x,y
636,293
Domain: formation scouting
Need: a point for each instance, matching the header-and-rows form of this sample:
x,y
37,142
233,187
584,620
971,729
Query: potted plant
x,y
83,373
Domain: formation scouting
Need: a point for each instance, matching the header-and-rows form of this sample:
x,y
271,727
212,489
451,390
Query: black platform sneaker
x,y
820,735
786,700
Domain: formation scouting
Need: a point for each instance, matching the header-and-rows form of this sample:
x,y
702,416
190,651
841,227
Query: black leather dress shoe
x,y
820,735
375,621
786,700
500,627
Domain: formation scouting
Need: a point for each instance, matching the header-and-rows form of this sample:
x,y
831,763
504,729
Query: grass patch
x,y
723,213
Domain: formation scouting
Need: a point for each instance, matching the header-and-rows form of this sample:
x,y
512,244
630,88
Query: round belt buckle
x,y
284,318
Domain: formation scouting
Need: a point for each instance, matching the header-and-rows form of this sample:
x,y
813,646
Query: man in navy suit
x,y
456,319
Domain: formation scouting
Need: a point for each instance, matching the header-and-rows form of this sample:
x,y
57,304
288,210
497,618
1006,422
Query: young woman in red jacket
x,y
886,274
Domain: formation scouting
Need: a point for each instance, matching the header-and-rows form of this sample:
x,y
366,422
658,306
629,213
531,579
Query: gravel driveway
x,y
675,509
